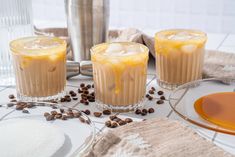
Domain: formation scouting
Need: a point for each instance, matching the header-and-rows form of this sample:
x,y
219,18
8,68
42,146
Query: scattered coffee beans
x,y
106,112
128,120
82,85
150,110
137,111
97,114
160,92
50,118
87,112
162,97
11,96
153,89
114,124
160,102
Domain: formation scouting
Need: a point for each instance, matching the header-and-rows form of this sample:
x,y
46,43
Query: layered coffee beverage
x,y
40,67
179,56
119,71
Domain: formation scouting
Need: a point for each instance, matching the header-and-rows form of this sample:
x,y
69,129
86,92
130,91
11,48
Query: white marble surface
x,y
223,42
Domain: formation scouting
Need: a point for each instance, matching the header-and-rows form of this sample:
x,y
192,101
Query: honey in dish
x,y
218,108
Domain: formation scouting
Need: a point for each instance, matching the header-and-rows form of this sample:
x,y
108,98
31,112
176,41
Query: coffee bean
x,y
75,98
106,112
144,110
151,92
10,104
84,89
77,114
160,102
46,114
87,112
25,111
82,101
82,85
91,100
162,97
108,123
73,94
67,96
68,99
143,113
83,95
137,111
121,122
58,116
128,120
112,117
11,96
50,117
153,89
19,107
61,110
30,105
64,117
13,100
88,86
62,100
150,110
53,113
114,124
82,120
86,92
97,114
86,103
70,115
117,119
150,98
147,95
92,85
160,92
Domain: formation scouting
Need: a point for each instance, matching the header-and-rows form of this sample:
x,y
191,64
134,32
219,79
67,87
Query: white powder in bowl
x,y
26,138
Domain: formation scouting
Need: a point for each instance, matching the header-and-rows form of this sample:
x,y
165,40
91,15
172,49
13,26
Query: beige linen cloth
x,y
154,138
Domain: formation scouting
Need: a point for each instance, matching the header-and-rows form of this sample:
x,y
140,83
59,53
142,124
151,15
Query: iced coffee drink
x,y
39,65
119,71
179,56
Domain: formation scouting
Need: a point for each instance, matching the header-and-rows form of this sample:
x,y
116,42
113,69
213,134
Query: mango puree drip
x,y
164,45
119,63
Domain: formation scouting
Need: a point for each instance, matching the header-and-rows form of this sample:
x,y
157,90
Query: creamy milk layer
x,y
39,64
179,56
119,73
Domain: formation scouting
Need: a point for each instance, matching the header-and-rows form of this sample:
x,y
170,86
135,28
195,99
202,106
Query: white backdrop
x,y
214,16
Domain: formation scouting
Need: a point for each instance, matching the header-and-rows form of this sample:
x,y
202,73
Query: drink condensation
x,y
15,22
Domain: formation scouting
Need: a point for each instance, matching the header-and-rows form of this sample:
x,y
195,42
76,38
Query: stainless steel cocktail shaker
x,y
87,22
